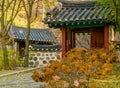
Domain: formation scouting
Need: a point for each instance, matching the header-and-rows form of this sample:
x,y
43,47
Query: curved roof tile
x,y
41,35
78,11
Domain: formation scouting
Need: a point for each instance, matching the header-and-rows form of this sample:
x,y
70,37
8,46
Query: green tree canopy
x,y
115,6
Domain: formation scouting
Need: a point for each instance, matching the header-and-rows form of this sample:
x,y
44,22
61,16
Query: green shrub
x,y
1,61
14,59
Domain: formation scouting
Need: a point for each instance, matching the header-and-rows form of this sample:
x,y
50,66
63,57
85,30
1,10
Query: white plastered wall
x,y
112,36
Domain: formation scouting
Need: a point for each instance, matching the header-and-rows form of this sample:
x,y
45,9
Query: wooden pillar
x,y
69,39
73,39
114,35
91,39
106,36
64,41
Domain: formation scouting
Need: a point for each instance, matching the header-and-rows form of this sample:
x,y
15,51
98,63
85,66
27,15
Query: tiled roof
x,y
45,47
75,12
42,35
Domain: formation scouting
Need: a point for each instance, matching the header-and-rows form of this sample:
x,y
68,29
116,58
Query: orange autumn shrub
x,y
77,68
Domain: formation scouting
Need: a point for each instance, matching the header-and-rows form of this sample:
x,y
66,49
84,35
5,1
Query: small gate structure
x,y
82,17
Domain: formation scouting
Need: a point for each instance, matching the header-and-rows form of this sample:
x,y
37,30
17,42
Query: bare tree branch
x,y
25,7
8,5
13,15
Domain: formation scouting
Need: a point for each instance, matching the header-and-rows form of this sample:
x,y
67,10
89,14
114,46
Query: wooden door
x,y
97,38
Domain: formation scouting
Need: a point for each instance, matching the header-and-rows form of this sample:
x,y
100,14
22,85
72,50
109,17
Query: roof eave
x,y
80,24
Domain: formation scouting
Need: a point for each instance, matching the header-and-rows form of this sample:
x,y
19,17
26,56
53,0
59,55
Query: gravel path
x,y
21,80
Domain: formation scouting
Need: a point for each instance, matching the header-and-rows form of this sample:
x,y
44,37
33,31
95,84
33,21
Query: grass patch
x,y
111,80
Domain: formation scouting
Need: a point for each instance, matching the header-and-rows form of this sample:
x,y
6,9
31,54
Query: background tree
x,y
28,7
31,8
8,11
41,8
115,6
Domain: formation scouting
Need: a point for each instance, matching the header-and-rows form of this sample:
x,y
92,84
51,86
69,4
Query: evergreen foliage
x,y
115,6
13,57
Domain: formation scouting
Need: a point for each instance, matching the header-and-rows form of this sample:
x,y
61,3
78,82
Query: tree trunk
x,y
5,53
27,43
